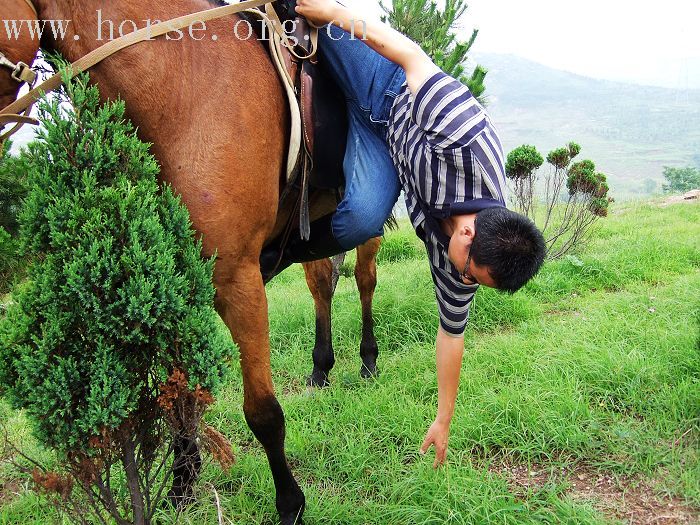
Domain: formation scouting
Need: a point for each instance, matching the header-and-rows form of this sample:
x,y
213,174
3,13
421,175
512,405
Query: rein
x,y
19,109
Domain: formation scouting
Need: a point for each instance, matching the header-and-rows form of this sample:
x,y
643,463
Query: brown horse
x,y
215,112
321,281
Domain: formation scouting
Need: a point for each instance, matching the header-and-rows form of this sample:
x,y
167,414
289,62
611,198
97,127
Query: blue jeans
x,y
370,84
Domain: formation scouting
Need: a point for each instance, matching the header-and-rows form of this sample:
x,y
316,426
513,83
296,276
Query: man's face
x,y
458,253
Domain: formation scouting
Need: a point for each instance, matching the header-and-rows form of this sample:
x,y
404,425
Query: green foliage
x,y
118,296
582,178
681,180
434,29
564,223
523,161
13,188
561,157
399,247
11,264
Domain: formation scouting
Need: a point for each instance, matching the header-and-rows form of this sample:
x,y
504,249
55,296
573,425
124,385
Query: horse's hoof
x,y
292,518
318,380
368,372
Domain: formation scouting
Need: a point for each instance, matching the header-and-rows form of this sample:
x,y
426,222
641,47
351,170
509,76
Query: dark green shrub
x,y
523,161
582,178
112,346
13,188
11,263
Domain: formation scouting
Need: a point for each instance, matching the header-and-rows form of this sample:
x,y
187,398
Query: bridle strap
x,y
20,119
108,49
21,72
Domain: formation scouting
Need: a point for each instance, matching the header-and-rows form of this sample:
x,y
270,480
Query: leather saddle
x,y
319,122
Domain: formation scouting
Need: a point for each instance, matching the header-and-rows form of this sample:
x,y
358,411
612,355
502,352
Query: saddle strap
x,y
287,42
276,53
108,49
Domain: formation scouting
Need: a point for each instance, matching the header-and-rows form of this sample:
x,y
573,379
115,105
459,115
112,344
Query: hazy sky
x,y
632,40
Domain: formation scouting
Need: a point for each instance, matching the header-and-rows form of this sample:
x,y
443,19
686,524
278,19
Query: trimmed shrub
x,y
112,347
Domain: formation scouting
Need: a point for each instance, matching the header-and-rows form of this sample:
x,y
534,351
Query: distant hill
x,y
629,131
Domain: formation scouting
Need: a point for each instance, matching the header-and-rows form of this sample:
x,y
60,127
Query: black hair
x,y
509,245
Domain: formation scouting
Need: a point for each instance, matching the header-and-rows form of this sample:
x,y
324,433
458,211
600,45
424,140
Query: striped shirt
x,y
450,162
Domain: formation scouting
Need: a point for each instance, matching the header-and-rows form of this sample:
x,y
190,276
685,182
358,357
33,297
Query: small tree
x,y
681,180
112,348
433,29
565,221
521,166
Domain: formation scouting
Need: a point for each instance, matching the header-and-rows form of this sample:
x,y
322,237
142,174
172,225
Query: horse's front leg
x,y
319,278
242,304
366,278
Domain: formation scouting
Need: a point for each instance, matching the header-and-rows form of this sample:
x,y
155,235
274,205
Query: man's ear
x,y
468,231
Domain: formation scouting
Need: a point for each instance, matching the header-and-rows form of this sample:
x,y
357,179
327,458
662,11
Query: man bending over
x,y
413,127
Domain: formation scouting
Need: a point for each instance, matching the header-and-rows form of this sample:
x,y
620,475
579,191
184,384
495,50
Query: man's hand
x,y
438,435
449,352
389,43
318,12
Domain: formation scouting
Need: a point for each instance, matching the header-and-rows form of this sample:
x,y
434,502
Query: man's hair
x,y
509,245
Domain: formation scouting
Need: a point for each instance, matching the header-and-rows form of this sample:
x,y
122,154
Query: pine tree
x,y
112,346
433,29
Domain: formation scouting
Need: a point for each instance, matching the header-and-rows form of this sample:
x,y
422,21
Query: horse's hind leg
x,y
319,278
187,463
366,277
242,304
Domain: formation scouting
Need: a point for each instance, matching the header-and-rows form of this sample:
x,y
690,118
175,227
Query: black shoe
x,y
321,244
271,261
288,9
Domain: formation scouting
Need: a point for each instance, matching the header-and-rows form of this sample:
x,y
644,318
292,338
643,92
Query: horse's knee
x,y
266,419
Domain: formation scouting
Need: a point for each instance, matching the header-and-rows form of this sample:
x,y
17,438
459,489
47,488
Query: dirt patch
x,y
632,500
9,490
691,196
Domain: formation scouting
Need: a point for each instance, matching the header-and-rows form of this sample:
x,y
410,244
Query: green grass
x,y
595,363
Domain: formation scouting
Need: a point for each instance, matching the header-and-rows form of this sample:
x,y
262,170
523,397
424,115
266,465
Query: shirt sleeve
x,y
447,112
454,300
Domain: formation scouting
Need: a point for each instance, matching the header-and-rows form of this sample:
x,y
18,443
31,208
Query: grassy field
x,y
579,402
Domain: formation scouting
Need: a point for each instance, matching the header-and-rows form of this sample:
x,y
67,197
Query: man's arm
x,y
383,39
449,352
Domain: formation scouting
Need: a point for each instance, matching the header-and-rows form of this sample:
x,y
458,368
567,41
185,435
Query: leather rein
x,y
18,111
